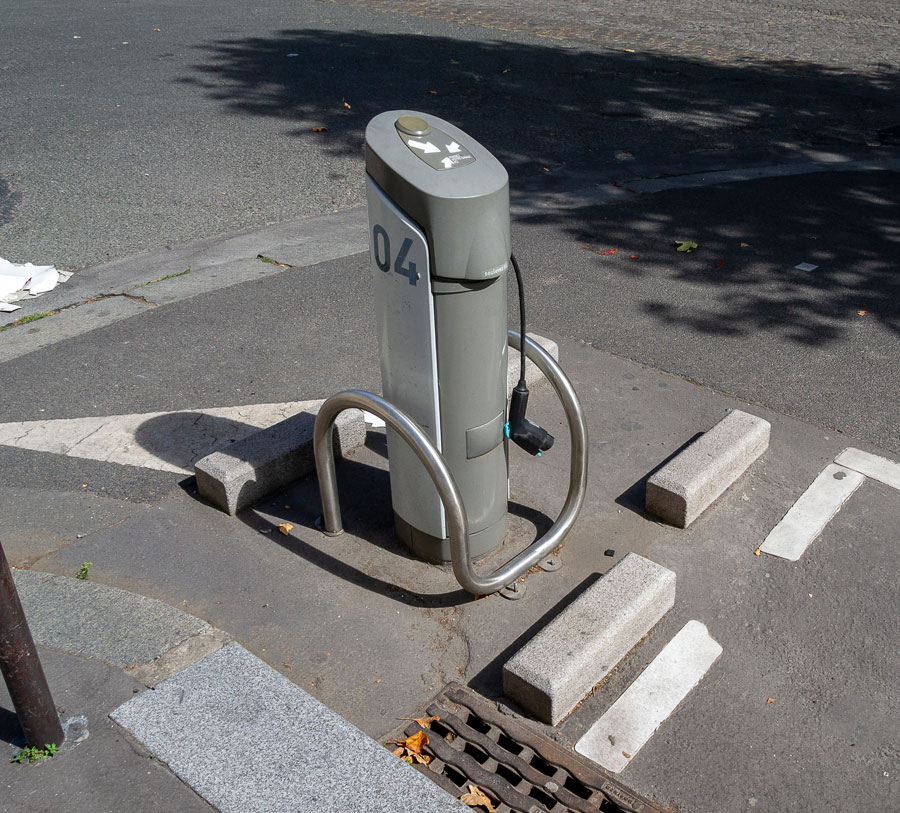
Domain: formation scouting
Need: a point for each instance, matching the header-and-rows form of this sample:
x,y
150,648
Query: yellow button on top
x,y
413,125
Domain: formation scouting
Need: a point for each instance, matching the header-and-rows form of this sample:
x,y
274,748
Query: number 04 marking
x,y
381,245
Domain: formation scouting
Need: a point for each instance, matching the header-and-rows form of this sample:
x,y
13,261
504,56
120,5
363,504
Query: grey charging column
x,y
439,243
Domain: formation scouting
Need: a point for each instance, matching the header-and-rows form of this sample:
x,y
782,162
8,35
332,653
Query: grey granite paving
x,y
247,739
97,621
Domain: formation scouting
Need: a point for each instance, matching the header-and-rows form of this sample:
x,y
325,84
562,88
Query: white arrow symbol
x,y
427,147
447,162
453,147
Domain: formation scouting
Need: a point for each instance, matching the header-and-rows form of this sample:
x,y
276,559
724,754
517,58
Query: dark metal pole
x,y
22,669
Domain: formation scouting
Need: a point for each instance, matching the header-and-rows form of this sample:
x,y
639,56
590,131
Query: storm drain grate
x,y
519,769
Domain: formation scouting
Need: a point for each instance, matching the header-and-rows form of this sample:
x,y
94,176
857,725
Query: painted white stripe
x,y
618,735
166,441
612,193
812,512
878,468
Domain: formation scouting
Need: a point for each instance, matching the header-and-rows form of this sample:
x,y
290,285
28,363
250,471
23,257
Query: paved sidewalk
x,y
373,634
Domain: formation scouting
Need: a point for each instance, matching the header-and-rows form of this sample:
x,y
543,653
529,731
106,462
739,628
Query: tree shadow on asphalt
x,y
563,119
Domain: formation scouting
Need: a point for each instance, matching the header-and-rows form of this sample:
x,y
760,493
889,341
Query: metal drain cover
x,y
519,769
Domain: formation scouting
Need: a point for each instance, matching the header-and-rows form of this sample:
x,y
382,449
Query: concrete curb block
x,y
554,671
274,457
533,376
688,484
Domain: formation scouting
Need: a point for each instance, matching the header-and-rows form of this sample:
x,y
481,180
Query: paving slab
x,y
247,739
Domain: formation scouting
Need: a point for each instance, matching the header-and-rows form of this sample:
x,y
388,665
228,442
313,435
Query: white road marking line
x,y
618,735
812,512
878,468
165,441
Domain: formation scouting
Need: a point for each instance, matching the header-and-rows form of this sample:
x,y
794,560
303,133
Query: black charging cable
x,y
525,434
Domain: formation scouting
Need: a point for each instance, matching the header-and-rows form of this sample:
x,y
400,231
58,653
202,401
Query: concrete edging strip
x,y
246,738
554,671
689,483
812,512
265,461
624,729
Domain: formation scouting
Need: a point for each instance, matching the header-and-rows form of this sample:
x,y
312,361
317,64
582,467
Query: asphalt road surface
x,y
128,126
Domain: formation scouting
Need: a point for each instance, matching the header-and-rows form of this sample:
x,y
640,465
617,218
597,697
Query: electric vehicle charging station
x,y
440,253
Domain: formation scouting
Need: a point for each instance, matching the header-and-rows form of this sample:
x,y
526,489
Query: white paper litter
x,y
24,281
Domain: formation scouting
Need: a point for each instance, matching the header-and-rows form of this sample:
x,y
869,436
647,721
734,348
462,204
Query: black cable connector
x,y
525,434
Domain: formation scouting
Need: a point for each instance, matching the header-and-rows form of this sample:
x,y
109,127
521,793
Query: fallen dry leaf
x,y
770,701
476,798
860,313
415,742
626,755
285,528
757,552
320,129
433,92
346,104
745,245
410,749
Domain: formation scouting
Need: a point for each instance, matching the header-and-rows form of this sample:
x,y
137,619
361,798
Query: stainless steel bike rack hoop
x,y
421,444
